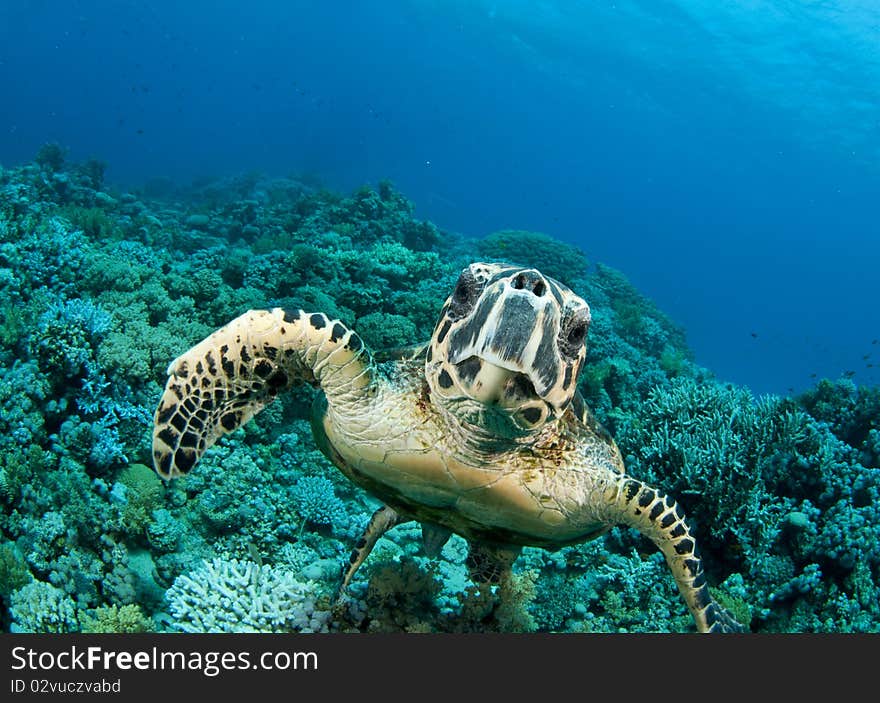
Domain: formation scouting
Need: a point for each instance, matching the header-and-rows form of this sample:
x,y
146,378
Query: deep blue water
x,y
723,155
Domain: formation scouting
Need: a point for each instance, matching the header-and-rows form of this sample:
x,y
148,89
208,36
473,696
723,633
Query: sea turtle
x,y
480,432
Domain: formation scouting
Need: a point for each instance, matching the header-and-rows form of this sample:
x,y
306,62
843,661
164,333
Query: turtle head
x,y
506,352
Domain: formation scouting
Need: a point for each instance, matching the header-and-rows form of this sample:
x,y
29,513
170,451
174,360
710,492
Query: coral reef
x,y
40,607
100,288
114,619
241,596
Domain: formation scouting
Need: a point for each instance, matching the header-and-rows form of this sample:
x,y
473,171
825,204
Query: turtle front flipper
x,y
231,375
661,519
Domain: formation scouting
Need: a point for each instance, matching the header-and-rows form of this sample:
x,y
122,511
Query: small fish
x,y
254,554
140,131
849,373
754,335
813,375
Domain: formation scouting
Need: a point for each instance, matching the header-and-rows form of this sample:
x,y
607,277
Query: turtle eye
x,y
576,334
465,295
573,333
462,293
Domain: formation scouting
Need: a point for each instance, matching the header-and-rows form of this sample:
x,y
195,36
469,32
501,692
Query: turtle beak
x,y
495,384
488,386
517,335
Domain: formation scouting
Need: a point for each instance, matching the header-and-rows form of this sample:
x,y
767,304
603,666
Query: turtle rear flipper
x,y
382,520
490,563
661,519
228,377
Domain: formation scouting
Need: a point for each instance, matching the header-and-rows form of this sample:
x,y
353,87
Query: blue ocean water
x,y
722,155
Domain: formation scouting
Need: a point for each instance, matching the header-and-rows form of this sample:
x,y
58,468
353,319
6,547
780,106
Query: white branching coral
x,y
229,595
40,607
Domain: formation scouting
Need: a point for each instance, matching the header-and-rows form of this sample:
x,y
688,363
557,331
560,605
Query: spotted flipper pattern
x,y
661,519
231,375
490,563
383,520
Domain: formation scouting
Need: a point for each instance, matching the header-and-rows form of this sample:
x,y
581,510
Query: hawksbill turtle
x,y
480,432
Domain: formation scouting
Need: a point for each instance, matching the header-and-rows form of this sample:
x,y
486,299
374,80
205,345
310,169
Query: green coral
x,y
13,570
501,608
566,263
93,221
143,495
51,156
125,619
711,441
382,330
401,597
738,607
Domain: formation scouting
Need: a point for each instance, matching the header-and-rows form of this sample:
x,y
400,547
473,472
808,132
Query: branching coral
x,y
40,607
115,619
241,596
317,502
